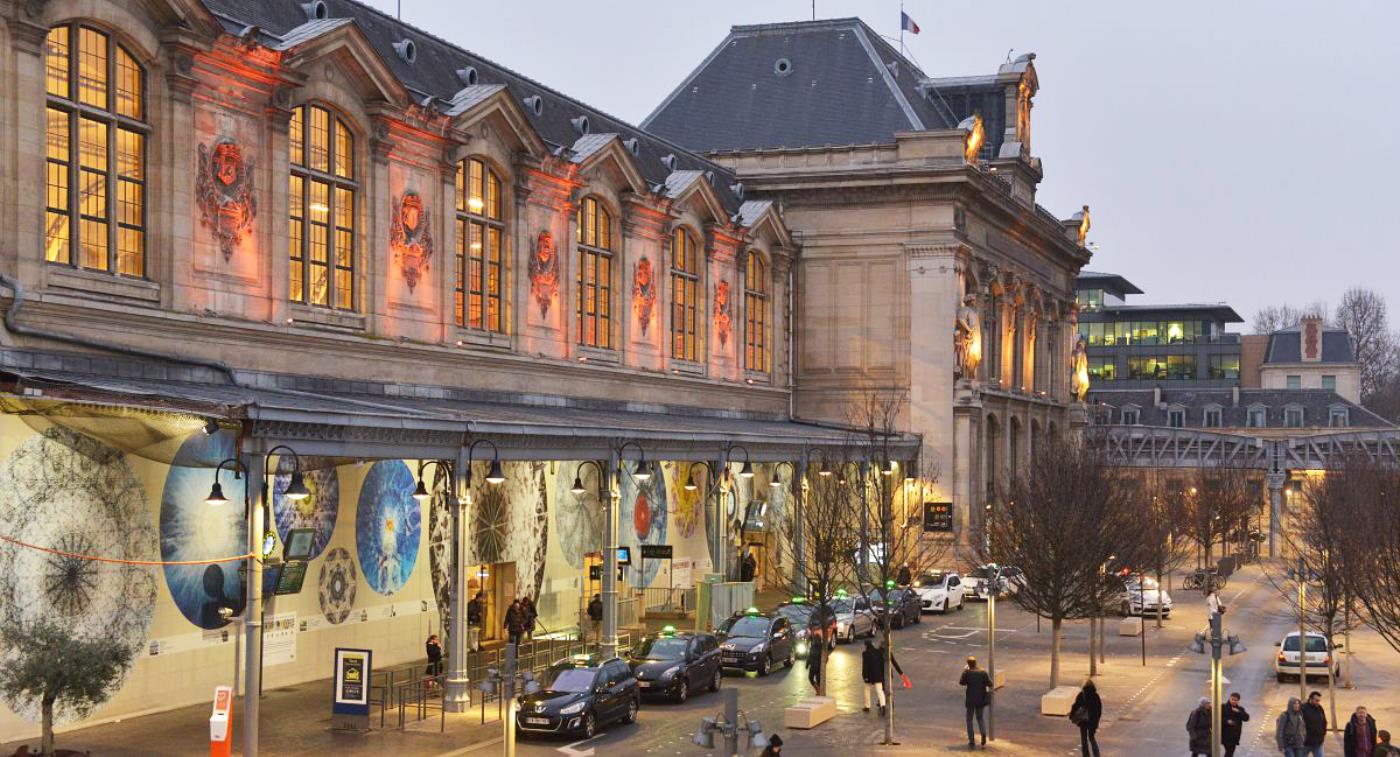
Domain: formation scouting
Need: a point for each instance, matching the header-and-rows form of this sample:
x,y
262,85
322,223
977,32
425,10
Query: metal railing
x,y
667,600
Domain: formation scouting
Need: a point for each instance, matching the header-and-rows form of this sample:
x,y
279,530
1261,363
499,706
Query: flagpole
x,y
901,28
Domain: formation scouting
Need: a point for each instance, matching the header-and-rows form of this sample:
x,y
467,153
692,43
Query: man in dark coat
x,y
872,672
976,698
1232,719
1315,718
1359,739
816,645
595,616
515,621
1198,728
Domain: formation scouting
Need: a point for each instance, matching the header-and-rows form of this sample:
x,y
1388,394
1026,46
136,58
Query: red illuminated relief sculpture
x,y
410,238
544,271
643,293
724,322
224,192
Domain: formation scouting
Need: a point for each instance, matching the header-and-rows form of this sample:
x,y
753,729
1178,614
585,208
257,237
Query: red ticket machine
x,y
221,723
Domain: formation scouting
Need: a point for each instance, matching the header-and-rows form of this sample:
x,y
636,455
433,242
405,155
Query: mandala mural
x,y
642,521
65,491
687,505
337,585
191,529
490,517
578,519
317,511
440,545
224,193
388,526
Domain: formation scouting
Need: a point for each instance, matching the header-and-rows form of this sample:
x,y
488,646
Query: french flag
x,y
907,24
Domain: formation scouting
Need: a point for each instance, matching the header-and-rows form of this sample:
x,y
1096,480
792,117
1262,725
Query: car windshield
x,y
1315,644
574,680
895,596
749,626
841,606
795,613
662,649
930,579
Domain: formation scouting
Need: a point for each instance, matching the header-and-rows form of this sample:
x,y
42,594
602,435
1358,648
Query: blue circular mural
x,y
317,511
388,526
642,520
192,529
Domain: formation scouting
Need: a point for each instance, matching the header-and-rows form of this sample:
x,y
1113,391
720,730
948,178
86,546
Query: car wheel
x,y
919,617
590,726
764,666
792,658
683,691
719,675
850,635
632,707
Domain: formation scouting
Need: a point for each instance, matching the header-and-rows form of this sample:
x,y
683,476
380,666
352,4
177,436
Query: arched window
x,y
756,314
95,142
322,200
595,274
480,247
685,296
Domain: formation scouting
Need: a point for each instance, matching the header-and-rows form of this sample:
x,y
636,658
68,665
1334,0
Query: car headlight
x,y
802,647
674,669
842,625
574,708
759,647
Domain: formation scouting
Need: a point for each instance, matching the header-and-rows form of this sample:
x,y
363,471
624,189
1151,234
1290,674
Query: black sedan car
x,y
582,695
754,641
673,664
905,607
802,617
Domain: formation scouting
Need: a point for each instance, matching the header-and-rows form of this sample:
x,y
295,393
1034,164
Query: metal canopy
x,y
1156,447
434,424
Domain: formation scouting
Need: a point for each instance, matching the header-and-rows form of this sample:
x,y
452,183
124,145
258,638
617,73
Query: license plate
x,y
644,684
537,721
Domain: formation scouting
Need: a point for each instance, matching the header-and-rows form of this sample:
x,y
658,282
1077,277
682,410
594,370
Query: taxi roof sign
x,y
751,611
668,631
581,660
798,600
841,593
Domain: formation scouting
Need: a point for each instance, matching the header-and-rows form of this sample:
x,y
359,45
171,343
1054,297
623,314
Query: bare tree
x,y
1363,315
1271,318
1213,506
1162,544
1063,522
1362,497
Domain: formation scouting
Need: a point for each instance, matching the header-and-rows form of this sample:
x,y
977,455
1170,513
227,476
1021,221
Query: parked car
x,y
1010,579
583,693
675,663
803,618
854,617
904,606
939,591
755,641
1143,598
1320,653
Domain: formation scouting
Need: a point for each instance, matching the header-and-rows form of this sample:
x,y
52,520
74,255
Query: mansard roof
x,y
804,84
457,79
1286,346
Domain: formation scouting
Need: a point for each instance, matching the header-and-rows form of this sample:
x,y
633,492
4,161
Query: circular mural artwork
x,y
642,520
317,511
337,585
440,546
578,519
490,515
388,526
192,529
68,492
688,505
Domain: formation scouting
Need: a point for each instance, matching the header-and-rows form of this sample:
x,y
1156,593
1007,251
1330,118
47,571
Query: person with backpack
x,y
1086,713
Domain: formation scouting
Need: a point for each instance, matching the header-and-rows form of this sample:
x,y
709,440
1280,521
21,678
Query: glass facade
x,y
1162,367
1089,299
1224,366
1144,332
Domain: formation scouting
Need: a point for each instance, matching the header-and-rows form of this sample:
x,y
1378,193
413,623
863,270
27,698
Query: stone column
x,y
1275,482
610,508
457,697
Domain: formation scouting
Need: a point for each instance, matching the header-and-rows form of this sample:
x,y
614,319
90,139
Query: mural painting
x,y
336,586
578,519
687,504
191,529
317,511
388,527
642,520
224,193
411,238
440,543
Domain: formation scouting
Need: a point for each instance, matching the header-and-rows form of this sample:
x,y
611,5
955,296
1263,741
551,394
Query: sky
x,y
1242,152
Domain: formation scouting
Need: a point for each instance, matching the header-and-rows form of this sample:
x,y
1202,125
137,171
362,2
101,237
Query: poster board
x,y
280,639
350,695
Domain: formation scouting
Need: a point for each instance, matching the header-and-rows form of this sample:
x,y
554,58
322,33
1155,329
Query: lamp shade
x,y
577,489
643,471
825,469
296,489
690,481
216,495
420,492
747,470
495,475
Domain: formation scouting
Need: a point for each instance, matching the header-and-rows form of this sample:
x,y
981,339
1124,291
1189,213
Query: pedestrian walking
x,y
1359,738
815,646
1384,748
905,576
1315,718
1291,731
531,615
1198,727
1086,713
595,616
515,621
1232,720
977,696
433,648
775,746
749,567
1213,603
872,672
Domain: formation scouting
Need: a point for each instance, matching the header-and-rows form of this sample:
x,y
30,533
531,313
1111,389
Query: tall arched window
x,y
595,274
95,142
480,246
322,209
685,296
756,314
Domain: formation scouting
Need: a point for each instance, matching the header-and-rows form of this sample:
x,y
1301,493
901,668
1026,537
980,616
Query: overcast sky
x,y
1243,152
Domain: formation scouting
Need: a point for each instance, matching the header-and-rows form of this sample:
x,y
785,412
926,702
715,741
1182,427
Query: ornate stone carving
x,y
1079,370
967,338
724,319
544,271
643,293
224,193
411,238
1084,224
972,142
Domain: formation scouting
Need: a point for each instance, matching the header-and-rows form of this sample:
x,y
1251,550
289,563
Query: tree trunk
x,y
1159,599
46,740
1331,676
1093,650
1055,633
889,688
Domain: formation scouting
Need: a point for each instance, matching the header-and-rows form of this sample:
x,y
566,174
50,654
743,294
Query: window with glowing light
x,y
95,153
756,313
685,296
321,209
595,241
481,235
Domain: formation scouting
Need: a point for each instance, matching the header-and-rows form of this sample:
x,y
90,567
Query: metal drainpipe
x,y
13,326
791,329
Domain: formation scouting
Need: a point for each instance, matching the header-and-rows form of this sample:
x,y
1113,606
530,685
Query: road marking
x,y
570,750
473,748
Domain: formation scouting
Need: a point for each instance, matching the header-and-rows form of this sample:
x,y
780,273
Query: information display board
x,y
291,578
938,516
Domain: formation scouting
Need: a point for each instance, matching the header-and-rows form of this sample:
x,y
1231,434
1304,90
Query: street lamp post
x,y
604,501
746,471
614,501
1217,641
993,588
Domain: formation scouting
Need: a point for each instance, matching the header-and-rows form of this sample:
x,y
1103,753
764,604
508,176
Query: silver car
x,y
853,617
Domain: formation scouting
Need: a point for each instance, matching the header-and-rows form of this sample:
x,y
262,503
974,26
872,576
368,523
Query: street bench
x,y
810,713
1058,700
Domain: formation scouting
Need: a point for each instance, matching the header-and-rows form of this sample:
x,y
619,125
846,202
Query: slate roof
x,y
283,23
845,86
1111,282
1285,346
1316,404
1224,313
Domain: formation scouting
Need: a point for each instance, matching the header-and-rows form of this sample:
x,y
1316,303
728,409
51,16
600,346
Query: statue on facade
x,y
967,338
1079,371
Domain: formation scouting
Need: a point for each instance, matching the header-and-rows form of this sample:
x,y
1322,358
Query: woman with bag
x,y
1085,713
1198,728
